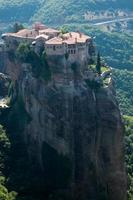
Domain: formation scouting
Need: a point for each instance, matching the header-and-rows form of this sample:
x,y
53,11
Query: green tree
x,y
5,195
4,150
23,52
17,27
98,65
64,29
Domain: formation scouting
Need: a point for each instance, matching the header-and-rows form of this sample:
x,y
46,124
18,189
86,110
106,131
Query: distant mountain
x,y
56,11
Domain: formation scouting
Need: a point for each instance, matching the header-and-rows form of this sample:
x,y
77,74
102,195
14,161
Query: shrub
x,y
23,52
40,67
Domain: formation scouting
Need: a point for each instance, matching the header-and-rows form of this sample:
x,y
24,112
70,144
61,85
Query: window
x,y
54,48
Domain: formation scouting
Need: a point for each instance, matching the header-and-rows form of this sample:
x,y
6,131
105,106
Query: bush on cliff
x,y
40,67
22,52
5,195
17,27
45,70
4,149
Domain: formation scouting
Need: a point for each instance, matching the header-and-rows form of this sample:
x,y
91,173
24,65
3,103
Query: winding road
x,y
113,21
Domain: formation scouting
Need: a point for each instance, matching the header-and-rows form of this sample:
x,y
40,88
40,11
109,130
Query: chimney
x,y
70,35
80,34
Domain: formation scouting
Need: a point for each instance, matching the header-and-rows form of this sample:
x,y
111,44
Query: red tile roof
x,y
69,38
24,33
49,30
80,37
55,40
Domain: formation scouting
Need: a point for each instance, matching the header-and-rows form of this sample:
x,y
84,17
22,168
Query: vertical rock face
x,y
75,135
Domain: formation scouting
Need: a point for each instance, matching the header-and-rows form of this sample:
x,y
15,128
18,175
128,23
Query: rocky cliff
x,y
72,131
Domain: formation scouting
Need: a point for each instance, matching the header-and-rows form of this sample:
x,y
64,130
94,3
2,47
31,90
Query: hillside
x,y
124,87
62,11
129,155
17,10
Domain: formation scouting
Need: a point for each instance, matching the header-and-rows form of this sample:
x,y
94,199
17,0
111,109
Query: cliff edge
x,y
71,127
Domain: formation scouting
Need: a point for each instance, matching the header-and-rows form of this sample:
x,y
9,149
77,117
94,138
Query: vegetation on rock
x,y
40,67
17,27
129,153
4,152
98,65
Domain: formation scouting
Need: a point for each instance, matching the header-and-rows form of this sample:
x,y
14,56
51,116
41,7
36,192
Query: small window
x,y
54,48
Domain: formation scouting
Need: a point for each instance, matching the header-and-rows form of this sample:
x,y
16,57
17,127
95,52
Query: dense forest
x,y
129,155
71,11
124,89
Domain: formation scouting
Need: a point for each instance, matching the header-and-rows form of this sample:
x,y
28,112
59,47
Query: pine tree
x,y
17,27
98,65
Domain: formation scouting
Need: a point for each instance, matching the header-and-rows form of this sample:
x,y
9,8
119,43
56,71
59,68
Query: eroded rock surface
x,y
75,134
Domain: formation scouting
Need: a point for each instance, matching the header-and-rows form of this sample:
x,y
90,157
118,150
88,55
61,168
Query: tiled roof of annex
x,y
80,37
55,40
24,33
68,38
48,30
27,33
